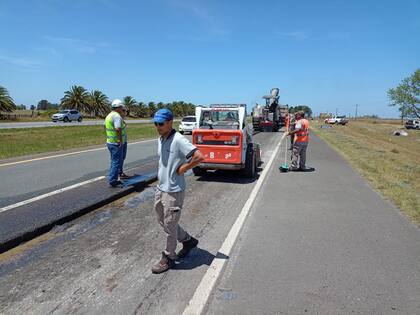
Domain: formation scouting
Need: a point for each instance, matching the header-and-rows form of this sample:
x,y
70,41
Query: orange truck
x,y
225,139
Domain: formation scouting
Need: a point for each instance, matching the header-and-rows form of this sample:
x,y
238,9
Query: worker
x,y
176,156
300,144
291,128
116,136
287,122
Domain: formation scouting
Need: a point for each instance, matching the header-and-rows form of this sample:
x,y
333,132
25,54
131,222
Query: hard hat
x,y
117,103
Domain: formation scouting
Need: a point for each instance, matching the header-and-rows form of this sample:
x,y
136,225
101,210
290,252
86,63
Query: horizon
x,y
328,56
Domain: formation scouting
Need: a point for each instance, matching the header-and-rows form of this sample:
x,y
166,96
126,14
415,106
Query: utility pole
x,y
355,116
336,112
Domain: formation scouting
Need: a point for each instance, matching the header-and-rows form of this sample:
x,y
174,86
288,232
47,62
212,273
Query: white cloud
x,y
204,15
20,62
298,35
76,45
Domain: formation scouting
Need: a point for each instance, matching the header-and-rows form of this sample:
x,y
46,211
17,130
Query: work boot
x,y
124,176
117,183
187,246
164,264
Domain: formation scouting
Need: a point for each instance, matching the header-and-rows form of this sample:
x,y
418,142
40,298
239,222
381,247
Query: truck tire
x,y
250,163
198,171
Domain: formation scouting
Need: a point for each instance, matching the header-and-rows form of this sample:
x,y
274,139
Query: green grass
x,y
27,141
389,163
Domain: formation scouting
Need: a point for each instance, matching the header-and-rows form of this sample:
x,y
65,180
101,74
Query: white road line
x,y
199,300
50,194
67,154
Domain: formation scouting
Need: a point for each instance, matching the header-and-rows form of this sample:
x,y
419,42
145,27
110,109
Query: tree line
x,y
96,104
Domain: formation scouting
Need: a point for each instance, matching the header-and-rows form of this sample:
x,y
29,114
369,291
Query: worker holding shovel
x,y
300,143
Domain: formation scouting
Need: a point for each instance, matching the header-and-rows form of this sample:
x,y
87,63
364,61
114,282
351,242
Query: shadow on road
x,y
197,258
222,176
308,170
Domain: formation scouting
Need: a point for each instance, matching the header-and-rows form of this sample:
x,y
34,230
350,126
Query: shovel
x,y
285,166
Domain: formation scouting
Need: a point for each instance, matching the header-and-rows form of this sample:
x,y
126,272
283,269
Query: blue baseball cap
x,y
163,115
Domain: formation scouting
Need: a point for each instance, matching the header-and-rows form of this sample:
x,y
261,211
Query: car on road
x,y
412,124
188,124
336,120
67,115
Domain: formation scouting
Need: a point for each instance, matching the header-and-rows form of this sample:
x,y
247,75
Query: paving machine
x,y
272,115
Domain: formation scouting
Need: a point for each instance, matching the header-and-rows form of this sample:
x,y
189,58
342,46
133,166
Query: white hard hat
x,y
117,103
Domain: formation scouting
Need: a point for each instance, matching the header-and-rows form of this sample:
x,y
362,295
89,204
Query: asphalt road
x,y
322,243
101,262
52,124
27,180
335,248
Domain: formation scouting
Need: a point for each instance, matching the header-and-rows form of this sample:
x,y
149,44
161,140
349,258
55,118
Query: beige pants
x,y
168,208
299,154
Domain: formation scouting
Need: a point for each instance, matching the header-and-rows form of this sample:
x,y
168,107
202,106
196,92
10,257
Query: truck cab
x,y
225,139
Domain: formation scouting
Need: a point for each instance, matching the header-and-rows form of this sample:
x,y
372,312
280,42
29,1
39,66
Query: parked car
x,y
67,115
188,124
338,120
412,124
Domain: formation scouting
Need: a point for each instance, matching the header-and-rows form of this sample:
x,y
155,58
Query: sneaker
x,y
117,183
124,176
187,247
164,264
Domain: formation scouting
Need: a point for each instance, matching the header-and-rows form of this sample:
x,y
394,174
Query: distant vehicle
x,y
67,115
412,124
188,124
272,115
337,120
225,139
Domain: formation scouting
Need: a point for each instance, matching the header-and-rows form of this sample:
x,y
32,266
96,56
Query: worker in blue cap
x,y
176,156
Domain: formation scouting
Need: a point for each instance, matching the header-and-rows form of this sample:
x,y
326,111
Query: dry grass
x,y
390,163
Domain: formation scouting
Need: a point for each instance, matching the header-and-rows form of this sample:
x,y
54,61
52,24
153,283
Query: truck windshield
x,y
219,119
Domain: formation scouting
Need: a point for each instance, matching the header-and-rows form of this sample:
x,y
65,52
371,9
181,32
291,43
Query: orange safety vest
x,y
303,134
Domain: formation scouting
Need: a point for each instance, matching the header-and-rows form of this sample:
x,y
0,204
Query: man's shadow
x,y
196,258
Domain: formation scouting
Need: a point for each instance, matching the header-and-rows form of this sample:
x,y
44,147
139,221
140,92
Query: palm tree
x,y
76,98
98,103
130,103
6,102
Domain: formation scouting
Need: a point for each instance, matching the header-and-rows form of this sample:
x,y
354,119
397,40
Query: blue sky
x,y
325,54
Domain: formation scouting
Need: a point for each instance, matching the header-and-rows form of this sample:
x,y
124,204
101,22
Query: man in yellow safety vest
x,y
116,138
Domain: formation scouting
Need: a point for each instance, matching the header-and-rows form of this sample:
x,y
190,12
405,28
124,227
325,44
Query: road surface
x,y
313,243
22,181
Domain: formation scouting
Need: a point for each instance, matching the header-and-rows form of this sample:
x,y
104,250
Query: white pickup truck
x,y
337,120
412,124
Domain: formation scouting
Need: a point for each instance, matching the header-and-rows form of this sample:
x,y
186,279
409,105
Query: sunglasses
x,y
159,124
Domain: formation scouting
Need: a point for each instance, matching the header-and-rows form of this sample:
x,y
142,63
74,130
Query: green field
x,y
391,164
27,141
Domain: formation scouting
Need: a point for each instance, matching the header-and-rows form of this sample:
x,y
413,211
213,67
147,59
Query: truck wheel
x,y
198,171
250,163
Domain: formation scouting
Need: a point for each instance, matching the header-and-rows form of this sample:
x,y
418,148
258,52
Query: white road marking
x,y
67,154
199,300
25,202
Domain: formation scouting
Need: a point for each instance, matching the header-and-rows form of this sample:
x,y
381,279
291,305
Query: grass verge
x,y
26,141
390,163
